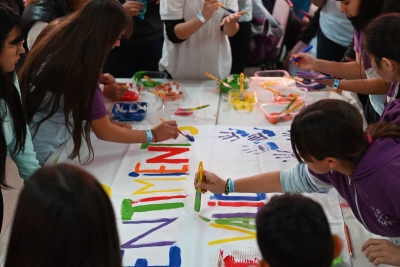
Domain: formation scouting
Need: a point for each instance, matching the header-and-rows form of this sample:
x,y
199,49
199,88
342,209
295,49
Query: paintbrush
x,y
188,136
293,78
291,103
149,79
217,80
227,9
191,109
294,107
241,81
273,91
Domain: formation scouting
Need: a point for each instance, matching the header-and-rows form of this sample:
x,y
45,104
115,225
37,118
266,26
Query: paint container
x,y
233,81
272,78
169,91
289,93
232,256
142,83
273,112
250,100
130,111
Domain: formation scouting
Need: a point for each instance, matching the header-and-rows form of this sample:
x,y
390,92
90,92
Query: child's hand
x,y
115,90
166,130
381,251
209,7
210,182
106,78
133,8
232,18
304,61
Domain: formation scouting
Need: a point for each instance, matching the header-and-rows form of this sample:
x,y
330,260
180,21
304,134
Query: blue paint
x,y
256,143
323,192
141,263
260,196
175,257
272,145
267,132
134,174
240,132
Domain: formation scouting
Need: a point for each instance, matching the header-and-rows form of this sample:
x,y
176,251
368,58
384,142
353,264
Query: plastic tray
x,y
289,92
170,91
130,111
233,80
271,108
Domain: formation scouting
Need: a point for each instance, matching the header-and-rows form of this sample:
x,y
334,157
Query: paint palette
x,y
130,111
236,256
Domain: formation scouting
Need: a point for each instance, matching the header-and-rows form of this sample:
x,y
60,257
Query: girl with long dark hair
x,y
59,83
14,135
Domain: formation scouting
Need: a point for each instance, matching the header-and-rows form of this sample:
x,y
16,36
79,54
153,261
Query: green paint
x,y
337,261
127,210
204,218
146,145
239,222
56,160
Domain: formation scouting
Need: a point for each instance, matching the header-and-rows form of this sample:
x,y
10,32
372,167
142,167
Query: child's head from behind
x,y
382,42
329,132
65,218
292,230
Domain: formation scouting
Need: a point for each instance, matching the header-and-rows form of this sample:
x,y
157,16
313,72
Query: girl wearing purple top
x,y
360,76
362,166
59,82
385,59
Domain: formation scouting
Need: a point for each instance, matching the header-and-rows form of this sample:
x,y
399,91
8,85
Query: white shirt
x,y
207,49
335,25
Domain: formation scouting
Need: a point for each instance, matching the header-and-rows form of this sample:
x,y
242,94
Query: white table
x,y
220,112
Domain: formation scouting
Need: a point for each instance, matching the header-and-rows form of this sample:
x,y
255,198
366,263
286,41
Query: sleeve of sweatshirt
x,y
26,159
300,180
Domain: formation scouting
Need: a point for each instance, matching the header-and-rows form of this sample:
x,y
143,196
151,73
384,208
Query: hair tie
x,y
369,138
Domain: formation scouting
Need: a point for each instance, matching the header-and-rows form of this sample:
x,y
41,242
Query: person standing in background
x,y
144,49
335,32
240,41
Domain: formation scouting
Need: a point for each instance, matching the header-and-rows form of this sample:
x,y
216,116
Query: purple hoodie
x,y
391,113
373,191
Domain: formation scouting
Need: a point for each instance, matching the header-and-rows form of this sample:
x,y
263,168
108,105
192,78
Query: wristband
x,y
227,186
231,185
336,84
149,136
201,18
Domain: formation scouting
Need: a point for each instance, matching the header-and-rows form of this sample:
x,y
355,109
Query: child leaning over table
x,y
292,230
196,37
59,83
385,59
334,151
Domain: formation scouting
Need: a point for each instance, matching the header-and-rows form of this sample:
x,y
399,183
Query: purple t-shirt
x,y
391,112
98,108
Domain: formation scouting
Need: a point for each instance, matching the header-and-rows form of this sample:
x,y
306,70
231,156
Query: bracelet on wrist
x,y
201,18
227,186
149,136
336,83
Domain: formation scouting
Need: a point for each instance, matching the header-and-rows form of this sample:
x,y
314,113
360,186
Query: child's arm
x,y
107,131
186,29
295,180
375,86
344,70
230,24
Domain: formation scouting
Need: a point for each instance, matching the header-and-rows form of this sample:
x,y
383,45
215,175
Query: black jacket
x,y
44,10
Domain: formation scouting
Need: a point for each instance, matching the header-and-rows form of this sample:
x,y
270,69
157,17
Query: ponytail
x,y
383,130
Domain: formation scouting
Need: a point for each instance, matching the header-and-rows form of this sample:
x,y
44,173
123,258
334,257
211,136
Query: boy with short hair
x,y
292,230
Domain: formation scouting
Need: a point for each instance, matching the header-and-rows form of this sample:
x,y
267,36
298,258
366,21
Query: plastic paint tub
x,y
130,111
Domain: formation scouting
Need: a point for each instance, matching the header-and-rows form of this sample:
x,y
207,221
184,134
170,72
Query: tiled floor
x,y
10,196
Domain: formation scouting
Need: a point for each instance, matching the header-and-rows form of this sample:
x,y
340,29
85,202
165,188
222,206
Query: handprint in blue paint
x,y
265,131
229,135
260,148
284,155
240,132
286,134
